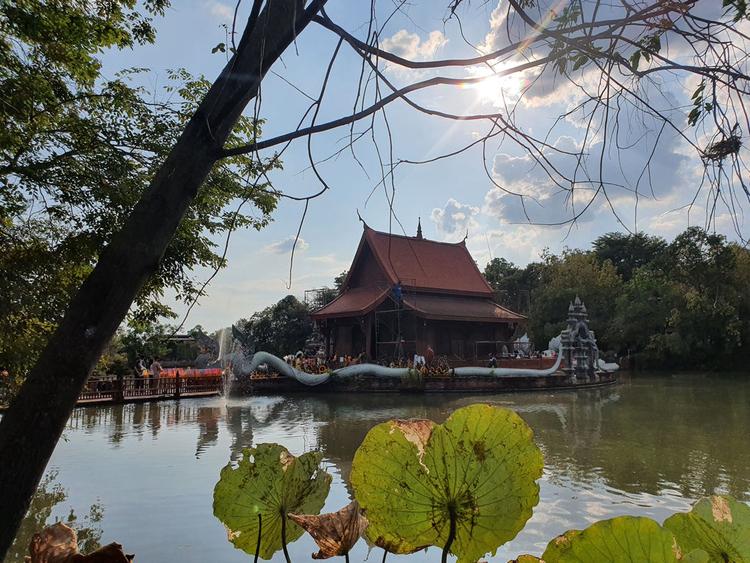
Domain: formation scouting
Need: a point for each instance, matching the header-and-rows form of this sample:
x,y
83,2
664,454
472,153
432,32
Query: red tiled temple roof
x,y
456,308
429,265
440,281
354,302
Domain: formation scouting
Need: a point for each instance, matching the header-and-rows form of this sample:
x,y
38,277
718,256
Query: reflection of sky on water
x,y
646,447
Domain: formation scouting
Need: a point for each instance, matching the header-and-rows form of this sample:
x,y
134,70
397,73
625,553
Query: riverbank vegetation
x,y
683,304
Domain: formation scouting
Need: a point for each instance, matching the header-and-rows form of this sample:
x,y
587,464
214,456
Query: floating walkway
x,y
137,389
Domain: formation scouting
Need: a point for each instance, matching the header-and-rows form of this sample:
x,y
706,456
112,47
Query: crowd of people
x,y
427,364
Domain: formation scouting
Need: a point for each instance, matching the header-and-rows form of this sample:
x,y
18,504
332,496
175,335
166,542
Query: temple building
x,y
403,294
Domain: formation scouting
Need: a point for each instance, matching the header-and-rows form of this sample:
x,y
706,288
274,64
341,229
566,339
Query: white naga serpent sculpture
x,y
243,367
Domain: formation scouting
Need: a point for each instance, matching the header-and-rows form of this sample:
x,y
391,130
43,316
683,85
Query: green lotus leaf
x,y
696,556
270,482
526,559
719,525
626,539
479,468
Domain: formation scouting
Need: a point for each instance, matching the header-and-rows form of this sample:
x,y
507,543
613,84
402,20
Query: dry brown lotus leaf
x,y
110,553
59,544
336,532
55,544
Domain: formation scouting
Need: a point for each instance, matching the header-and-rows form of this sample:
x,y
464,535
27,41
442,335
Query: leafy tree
x,y
512,285
280,329
628,252
144,340
688,306
328,294
641,314
700,259
76,154
498,272
707,328
563,277
338,281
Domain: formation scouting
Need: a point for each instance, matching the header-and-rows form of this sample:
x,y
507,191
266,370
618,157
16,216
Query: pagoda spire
x,y
419,228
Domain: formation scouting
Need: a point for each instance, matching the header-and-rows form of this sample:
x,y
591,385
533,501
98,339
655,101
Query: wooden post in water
x,y
117,393
177,384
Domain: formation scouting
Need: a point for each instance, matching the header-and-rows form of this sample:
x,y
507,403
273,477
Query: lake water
x,y
143,475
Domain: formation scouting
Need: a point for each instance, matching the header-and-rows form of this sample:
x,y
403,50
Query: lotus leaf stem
x,y
451,534
257,546
283,536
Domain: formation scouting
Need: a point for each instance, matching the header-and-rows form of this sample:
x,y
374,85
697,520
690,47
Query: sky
x,y
469,195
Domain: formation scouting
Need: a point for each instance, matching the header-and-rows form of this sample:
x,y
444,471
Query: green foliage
x,y
623,540
512,285
143,340
718,525
737,7
338,281
640,313
269,482
77,150
700,105
628,252
474,474
412,379
563,277
680,305
280,329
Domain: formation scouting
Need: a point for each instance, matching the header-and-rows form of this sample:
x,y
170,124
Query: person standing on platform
x,y
156,370
429,355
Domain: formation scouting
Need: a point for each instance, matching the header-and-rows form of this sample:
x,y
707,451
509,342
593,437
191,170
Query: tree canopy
x,y
77,151
280,329
679,304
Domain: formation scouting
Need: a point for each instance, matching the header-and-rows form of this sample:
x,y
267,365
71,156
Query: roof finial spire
x,y
363,221
419,228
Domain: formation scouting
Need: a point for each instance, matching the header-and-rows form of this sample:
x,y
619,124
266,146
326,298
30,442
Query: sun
x,y
494,88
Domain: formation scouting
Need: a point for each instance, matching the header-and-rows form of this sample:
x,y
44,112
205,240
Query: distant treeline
x,y
684,304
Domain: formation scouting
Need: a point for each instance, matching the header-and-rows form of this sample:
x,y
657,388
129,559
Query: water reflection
x,y
683,433
50,494
648,446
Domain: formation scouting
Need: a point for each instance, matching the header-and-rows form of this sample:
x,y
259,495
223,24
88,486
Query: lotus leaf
x,y
719,525
270,482
626,539
335,533
478,469
59,544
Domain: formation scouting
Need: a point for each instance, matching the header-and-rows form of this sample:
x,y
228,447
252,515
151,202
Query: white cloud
x,y
529,195
220,10
284,246
454,217
411,46
494,38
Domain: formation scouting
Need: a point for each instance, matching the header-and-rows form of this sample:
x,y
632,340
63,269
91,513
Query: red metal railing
x,y
124,389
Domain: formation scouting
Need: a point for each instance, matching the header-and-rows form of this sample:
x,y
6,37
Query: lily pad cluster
x,y
467,486
716,530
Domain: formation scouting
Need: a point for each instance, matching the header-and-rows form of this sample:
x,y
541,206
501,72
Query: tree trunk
x,y
32,426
